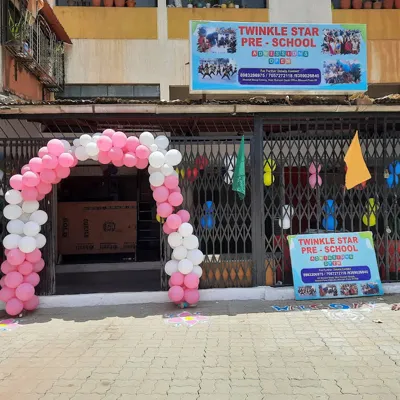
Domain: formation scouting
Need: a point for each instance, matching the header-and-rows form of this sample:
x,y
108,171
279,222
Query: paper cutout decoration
x,y
329,222
269,168
287,213
314,179
371,207
357,171
207,220
394,171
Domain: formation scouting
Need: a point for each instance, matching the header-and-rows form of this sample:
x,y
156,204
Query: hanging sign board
x,y
243,57
334,265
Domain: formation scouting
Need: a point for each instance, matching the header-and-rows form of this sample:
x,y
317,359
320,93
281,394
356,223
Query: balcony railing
x,y
34,45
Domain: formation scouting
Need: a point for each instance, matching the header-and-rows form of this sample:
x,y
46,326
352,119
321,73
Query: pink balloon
x,y
119,163
35,164
175,190
185,216
175,199
192,296
30,179
55,147
49,161
174,221
153,188
48,176
33,279
14,306
24,291
177,279
161,194
32,303
176,293
115,154
34,256
104,143
6,251
130,159
43,151
109,133
119,139
171,181
16,182
62,172
15,257
191,281
6,294
66,160
75,162
29,193
25,168
25,268
142,152
6,267
132,143
57,180
142,163
44,187
104,158
167,230
164,210
40,197
13,279
38,266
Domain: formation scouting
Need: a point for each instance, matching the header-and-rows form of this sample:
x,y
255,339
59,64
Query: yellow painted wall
x,y
108,23
178,18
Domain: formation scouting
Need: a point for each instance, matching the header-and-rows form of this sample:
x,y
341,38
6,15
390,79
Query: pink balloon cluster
x,y
314,179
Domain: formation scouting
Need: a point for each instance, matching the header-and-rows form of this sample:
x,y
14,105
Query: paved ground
x,y
244,350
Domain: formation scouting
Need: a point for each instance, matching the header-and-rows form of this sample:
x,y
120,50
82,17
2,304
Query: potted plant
x,y
397,4
368,4
345,4
335,4
388,4
231,4
190,4
208,5
119,3
96,3
130,3
108,3
223,5
377,5
357,4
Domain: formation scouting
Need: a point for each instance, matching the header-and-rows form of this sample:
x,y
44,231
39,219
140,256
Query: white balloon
x,y
16,226
153,147
174,173
97,134
175,239
156,159
11,241
163,151
12,211
185,266
185,229
179,253
156,179
39,217
76,142
173,157
92,149
167,170
30,206
196,256
13,197
171,267
85,139
146,138
80,153
25,217
151,170
66,145
197,270
31,228
27,244
95,158
40,240
191,242
162,142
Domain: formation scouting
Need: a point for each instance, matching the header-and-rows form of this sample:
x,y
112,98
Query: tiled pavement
x,y
245,350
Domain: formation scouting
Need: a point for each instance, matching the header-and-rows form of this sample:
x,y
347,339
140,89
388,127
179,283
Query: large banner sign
x,y
240,57
334,265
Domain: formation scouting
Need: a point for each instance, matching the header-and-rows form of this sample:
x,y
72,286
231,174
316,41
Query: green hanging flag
x,y
239,175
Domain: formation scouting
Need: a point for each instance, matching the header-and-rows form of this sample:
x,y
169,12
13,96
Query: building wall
x,y
155,48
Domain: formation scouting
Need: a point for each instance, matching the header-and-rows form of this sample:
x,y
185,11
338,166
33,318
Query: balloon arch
x,y
54,162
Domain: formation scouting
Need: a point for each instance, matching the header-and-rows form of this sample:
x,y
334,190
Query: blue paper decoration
x,y
394,170
207,220
329,222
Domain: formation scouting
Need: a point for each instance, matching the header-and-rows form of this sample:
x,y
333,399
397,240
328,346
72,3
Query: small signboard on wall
x,y
97,227
334,265
246,57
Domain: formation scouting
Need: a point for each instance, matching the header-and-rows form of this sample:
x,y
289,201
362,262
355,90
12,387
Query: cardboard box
x,y
97,227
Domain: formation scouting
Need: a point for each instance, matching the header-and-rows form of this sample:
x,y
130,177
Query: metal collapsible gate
x,y
245,242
